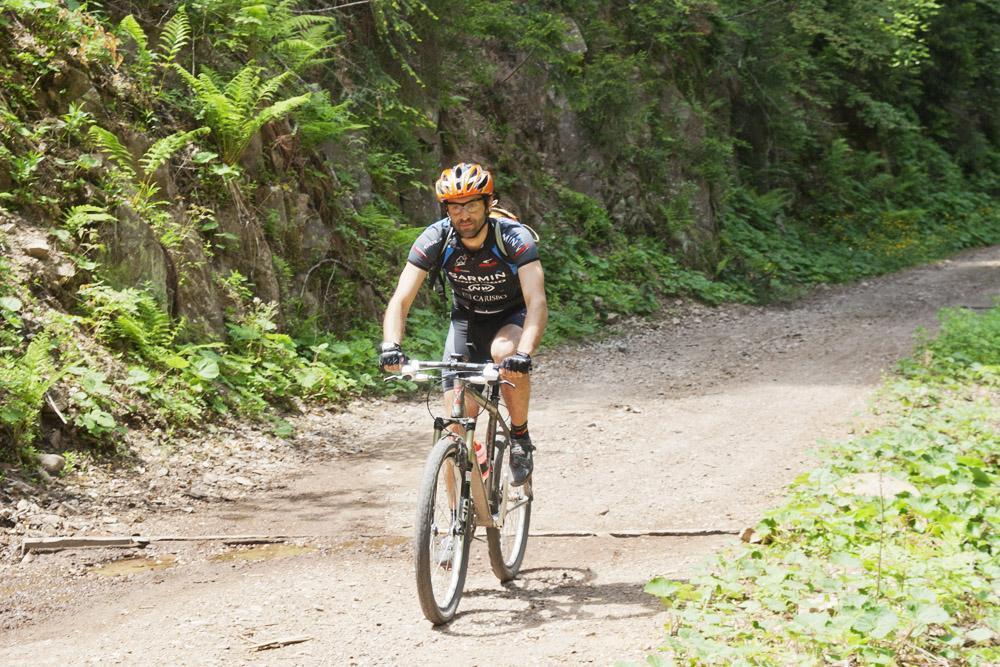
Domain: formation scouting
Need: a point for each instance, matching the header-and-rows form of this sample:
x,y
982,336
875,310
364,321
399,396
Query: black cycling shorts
x,y
471,335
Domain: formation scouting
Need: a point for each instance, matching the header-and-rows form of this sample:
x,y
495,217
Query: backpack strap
x,y
437,273
498,237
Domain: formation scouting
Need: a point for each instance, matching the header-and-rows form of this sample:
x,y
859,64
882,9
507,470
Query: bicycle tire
x,y
508,543
439,585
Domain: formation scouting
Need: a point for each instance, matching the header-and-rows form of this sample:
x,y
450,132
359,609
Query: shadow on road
x,y
545,595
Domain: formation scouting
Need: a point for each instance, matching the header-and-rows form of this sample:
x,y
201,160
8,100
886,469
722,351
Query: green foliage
x,y
767,253
236,111
176,34
164,148
323,121
144,58
24,380
594,270
108,143
394,24
903,572
137,189
967,345
281,31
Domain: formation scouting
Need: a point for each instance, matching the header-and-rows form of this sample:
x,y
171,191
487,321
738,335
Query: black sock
x,y
519,431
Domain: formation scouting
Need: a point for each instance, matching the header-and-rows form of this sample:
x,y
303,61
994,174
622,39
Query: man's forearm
x,y
392,325
399,305
534,326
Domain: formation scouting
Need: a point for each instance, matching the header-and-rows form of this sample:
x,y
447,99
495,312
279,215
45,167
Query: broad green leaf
x,y
203,157
176,361
931,613
661,587
11,303
885,622
813,622
206,369
138,376
971,461
979,635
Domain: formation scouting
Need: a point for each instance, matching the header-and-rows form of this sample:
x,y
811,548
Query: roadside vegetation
x,y
741,152
886,554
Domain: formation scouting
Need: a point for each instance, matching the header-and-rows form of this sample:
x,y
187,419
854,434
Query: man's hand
x,y
391,357
516,364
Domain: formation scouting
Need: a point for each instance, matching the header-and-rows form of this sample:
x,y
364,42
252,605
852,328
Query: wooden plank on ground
x,y
80,542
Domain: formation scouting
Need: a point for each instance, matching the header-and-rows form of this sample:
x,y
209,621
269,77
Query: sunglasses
x,y
468,207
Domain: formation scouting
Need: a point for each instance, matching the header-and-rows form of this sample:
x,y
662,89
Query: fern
x,y
176,35
300,23
163,149
322,120
131,318
303,38
234,112
86,215
202,85
109,144
148,330
131,27
23,383
279,109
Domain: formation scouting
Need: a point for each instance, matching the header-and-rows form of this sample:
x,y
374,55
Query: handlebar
x,y
412,370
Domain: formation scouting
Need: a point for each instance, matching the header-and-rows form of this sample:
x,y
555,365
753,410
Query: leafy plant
x,y
900,574
175,36
24,381
237,110
138,184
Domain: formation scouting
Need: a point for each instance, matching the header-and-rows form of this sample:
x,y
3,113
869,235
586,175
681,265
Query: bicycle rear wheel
x,y
508,543
443,533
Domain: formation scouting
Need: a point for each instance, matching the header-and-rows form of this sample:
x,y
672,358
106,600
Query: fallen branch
x,y
55,408
279,643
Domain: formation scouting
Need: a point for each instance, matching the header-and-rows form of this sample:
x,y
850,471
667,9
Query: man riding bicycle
x,y
499,309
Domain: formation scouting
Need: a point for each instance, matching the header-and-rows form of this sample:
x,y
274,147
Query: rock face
x,y
134,257
199,299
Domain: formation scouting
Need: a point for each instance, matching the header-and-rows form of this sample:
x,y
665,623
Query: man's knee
x,y
505,343
501,349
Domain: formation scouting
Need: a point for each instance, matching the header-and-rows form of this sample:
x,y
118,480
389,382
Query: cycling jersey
x,y
483,281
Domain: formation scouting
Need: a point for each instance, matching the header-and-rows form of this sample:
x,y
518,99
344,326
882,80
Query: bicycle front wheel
x,y
443,533
508,543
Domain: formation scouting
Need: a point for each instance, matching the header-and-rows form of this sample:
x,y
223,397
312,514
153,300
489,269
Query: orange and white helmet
x,y
463,180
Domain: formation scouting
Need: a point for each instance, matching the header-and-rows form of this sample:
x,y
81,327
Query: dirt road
x,y
697,420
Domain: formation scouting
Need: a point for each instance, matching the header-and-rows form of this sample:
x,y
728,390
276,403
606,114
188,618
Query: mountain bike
x,y
457,495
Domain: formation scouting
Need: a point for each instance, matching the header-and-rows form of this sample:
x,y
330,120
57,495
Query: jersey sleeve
x,y
426,250
519,243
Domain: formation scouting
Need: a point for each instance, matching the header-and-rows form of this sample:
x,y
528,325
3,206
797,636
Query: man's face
x,y
468,215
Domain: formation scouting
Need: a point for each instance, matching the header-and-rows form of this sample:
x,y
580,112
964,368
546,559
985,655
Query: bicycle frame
x,y
465,388
479,492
